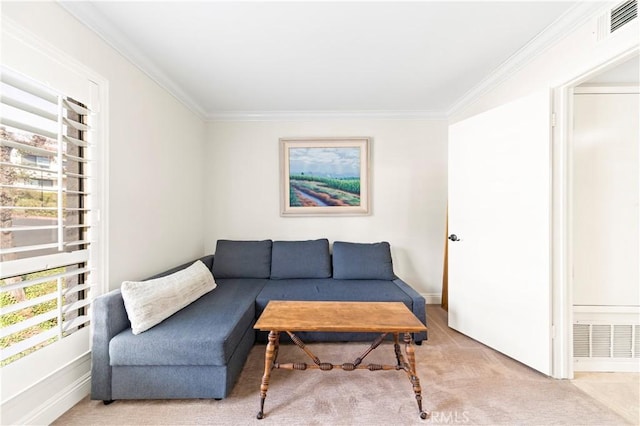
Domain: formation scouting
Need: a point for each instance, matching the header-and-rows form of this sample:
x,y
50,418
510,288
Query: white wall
x,y
155,143
605,199
155,211
408,189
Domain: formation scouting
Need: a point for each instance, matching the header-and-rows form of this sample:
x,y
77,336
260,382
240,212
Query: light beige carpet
x,y
463,382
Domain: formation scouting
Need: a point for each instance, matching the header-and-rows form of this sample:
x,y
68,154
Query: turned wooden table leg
x,y
396,349
269,358
411,357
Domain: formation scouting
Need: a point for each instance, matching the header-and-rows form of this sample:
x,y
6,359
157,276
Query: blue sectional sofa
x,y
199,351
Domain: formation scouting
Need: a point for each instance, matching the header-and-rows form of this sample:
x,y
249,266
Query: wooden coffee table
x,y
377,317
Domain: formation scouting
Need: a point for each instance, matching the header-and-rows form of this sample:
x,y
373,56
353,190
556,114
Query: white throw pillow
x,y
148,303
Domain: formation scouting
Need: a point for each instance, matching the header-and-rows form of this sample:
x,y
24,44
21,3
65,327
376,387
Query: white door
x,y
500,212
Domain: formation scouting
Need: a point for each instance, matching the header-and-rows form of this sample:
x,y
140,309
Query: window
x,y
45,216
40,161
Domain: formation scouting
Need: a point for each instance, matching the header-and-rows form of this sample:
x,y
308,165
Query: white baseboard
x,y
49,399
432,298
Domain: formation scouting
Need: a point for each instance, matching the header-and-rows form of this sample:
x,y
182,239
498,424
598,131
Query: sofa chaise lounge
x,y
199,351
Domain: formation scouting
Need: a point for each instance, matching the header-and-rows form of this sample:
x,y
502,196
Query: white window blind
x,y
45,215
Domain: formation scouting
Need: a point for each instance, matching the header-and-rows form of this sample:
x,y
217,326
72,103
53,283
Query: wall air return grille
x,y
623,14
622,341
614,341
581,340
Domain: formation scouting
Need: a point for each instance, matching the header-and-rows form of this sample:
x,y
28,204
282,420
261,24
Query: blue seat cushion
x,y
331,290
206,332
300,259
242,259
355,261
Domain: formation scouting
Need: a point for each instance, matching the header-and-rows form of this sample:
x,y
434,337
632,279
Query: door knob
x,y
454,237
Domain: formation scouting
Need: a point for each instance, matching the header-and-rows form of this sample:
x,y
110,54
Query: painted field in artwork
x,y
324,177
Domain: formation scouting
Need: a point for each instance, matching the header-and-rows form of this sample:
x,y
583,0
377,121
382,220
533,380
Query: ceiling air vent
x,y
624,14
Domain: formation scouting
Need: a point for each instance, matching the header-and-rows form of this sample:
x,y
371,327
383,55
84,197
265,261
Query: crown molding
x,y
560,28
87,14
325,115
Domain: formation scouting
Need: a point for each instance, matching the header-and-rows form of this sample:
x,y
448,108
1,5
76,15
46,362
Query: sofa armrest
x,y
109,319
419,307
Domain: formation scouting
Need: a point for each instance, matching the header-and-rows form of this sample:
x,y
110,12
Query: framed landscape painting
x,y
324,176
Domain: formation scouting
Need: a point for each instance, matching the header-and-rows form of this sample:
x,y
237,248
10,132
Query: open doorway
x,y
597,191
604,219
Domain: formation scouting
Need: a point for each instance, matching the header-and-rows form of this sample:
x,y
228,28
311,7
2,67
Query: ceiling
x,y
252,58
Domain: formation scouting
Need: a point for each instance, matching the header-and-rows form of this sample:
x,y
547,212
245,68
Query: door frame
x,y
562,211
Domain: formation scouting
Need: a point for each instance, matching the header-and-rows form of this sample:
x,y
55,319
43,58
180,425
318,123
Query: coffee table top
x,y
378,317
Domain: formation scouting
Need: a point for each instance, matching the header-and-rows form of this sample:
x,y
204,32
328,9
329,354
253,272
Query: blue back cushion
x,y
242,259
300,259
354,261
